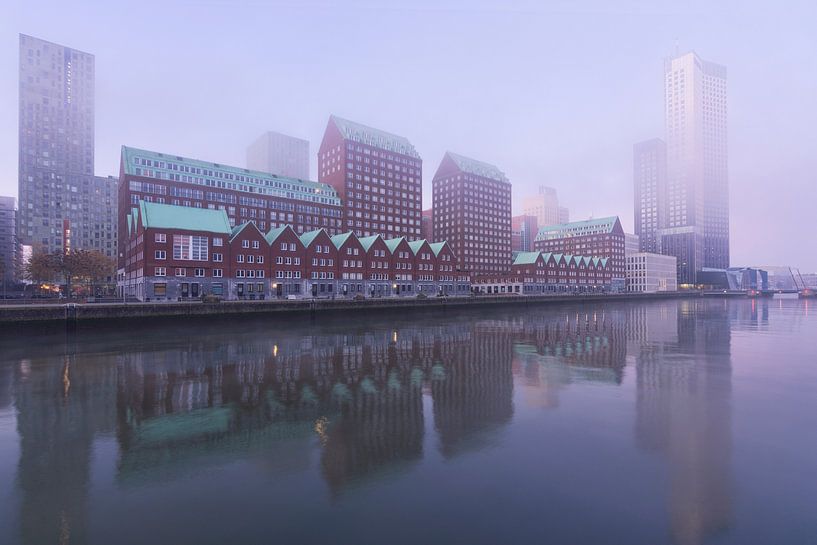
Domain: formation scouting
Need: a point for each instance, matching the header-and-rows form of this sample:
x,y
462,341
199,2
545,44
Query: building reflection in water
x,y
683,409
189,400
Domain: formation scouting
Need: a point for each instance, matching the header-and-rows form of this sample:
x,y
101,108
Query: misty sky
x,y
553,93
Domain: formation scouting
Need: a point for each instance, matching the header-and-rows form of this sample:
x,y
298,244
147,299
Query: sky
x,y
554,93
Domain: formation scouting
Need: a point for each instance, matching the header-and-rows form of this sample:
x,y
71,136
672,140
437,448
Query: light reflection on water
x,y
618,423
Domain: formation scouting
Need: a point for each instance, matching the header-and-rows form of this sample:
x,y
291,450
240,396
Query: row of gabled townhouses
x,y
177,252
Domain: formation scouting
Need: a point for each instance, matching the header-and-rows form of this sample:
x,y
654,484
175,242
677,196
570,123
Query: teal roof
x,y
478,168
415,245
167,216
239,228
340,240
392,243
273,234
374,137
437,247
526,258
309,237
151,164
367,242
577,228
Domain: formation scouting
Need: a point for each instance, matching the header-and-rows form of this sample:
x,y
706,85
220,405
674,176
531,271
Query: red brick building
x,y
603,237
267,200
540,273
178,253
472,212
378,176
427,228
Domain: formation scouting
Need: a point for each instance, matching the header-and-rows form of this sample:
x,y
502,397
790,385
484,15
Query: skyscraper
x,y
8,239
57,186
378,175
650,180
472,212
279,154
697,175
545,206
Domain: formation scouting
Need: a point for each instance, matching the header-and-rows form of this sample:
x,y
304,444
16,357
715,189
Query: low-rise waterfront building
x,y
603,237
179,253
649,273
540,273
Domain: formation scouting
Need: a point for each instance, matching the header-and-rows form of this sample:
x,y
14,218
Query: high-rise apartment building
x,y
472,212
523,232
279,154
247,196
697,174
57,186
8,239
545,206
378,175
650,181
427,228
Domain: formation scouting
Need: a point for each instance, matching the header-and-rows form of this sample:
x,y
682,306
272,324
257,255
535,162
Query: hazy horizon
x,y
552,95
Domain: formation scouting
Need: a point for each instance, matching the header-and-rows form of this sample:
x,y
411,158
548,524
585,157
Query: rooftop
x,y
167,216
162,166
374,137
576,228
477,168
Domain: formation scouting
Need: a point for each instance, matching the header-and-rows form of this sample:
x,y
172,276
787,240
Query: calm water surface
x,y
685,422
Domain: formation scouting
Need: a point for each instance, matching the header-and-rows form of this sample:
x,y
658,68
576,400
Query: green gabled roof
x,y
168,216
273,234
478,168
340,240
367,242
526,258
374,137
546,256
603,261
415,245
309,237
239,228
577,228
437,247
392,243
558,257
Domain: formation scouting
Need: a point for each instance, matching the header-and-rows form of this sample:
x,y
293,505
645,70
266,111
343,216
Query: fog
x,y
553,93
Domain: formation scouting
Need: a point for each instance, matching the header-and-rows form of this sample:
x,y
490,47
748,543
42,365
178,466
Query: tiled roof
x,y
374,137
437,247
578,228
526,258
478,168
415,245
166,216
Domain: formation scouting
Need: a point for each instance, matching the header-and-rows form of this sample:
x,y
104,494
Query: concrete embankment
x,y
109,312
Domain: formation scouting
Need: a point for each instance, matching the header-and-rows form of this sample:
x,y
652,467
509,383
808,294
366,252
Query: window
x,y
190,248
217,273
160,289
160,271
160,237
255,244
217,242
260,259
291,247
284,246
160,254
218,258
239,258
181,272
199,272
245,243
